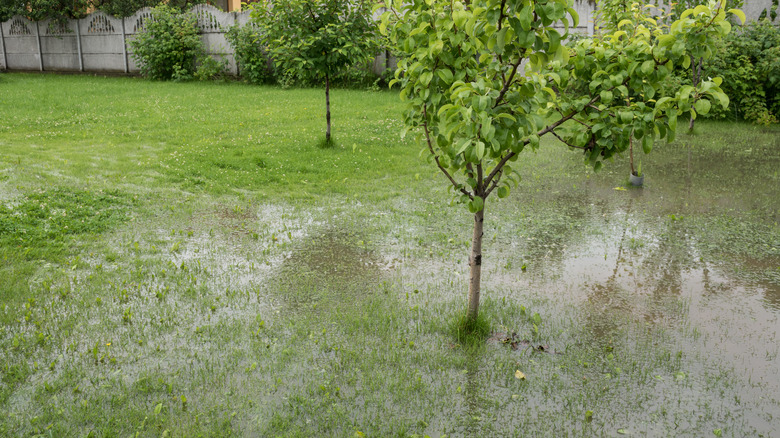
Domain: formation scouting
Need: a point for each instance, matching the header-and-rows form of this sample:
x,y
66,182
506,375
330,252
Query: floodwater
x,y
659,307
692,259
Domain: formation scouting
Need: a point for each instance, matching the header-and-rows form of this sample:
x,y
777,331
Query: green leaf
x,y
463,146
437,47
526,16
702,106
480,150
445,74
647,143
460,17
575,16
739,14
476,204
648,67
500,39
606,96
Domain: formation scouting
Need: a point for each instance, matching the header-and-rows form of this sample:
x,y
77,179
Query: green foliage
x,y
316,39
169,46
749,62
250,56
211,68
124,8
44,9
476,112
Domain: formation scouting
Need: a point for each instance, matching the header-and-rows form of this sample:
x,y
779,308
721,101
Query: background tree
x,y
612,12
476,109
316,39
126,8
44,9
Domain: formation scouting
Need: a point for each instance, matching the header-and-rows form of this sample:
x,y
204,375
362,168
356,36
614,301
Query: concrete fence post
x,y
2,44
78,45
124,46
38,38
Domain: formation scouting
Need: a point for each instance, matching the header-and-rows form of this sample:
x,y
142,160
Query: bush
x,y
169,46
251,58
748,60
749,63
211,69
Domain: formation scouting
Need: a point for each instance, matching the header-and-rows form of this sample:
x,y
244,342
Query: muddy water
x,y
694,257
689,264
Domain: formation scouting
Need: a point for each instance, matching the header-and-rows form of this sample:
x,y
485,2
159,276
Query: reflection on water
x,y
694,257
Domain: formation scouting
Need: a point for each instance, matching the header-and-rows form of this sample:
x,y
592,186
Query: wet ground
x,y
658,309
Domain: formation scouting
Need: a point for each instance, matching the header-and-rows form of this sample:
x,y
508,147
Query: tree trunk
x,y
475,265
327,107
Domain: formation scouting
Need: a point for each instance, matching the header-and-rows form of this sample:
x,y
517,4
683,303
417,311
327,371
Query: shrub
x,y
169,46
210,69
749,62
251,58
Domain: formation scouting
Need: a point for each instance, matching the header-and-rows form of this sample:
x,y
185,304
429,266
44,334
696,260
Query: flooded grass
x,y
236,280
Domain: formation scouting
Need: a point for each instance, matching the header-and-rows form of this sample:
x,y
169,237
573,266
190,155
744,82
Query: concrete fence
x,y
99,42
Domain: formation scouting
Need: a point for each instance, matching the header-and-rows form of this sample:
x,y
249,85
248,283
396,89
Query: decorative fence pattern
x,y
99,42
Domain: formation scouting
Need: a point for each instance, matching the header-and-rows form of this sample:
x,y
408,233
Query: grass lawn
x,y
183,260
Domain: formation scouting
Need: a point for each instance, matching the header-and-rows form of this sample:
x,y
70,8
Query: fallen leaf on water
x,y
519,375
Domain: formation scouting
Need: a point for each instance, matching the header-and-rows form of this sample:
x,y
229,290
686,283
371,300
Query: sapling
x,y
486,80
316,39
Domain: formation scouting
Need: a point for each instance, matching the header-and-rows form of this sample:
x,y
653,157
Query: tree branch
x,y
566,142
544,131
494,183
436,157
507,82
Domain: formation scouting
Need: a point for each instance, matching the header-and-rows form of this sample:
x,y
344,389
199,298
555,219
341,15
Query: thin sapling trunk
x,y
475,265
327,107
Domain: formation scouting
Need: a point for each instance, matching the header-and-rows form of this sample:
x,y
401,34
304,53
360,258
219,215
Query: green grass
x,y
184,260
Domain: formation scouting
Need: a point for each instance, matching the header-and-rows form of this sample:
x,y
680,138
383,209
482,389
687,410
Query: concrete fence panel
x,y
103,43
22,50
60,45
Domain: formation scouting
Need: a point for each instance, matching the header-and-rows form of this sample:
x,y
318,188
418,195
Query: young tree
x,y
612,12
316,39
487,79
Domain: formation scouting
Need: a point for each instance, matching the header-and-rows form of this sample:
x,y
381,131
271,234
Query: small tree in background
x,y
476,111
613,12
316,39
